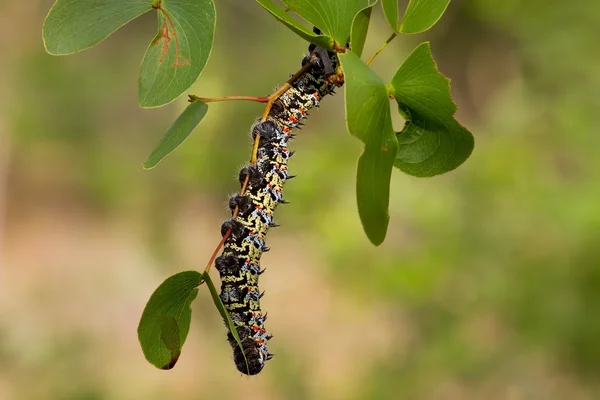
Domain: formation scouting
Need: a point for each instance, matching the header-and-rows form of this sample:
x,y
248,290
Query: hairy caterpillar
x,y
239,264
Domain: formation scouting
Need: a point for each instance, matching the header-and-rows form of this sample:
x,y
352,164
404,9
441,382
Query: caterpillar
x,y
239,263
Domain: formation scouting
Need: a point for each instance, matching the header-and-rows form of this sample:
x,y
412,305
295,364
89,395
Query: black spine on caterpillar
x,y
239,264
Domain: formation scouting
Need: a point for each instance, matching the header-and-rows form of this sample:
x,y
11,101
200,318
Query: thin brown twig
x,y
228,233
254,150
214,254
228,98
284,88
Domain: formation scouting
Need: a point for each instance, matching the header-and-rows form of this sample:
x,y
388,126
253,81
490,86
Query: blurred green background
x,y
487,287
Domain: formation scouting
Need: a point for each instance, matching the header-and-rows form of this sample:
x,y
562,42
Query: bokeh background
x,y
487,287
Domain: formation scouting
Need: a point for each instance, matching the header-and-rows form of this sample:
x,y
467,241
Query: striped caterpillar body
x,y
239,264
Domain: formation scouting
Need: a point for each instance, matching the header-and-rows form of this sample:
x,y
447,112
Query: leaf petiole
x,y
193,98
383,46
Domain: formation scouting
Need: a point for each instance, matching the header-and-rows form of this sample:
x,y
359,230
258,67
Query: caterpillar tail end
x,y
254,355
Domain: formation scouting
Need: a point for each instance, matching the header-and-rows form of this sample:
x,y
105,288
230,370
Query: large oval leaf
x,y
427,149
295,26
432,142
333,17
165,323
178,132
75,25
178,53
360,27
420,15
368,118
390,10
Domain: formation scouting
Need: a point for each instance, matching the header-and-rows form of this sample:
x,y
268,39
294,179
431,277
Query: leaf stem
x,y
214,254
227,98
235,213
383,46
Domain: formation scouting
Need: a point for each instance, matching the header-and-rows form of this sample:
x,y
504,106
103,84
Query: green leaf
x,y
178,132
428,150
390,10
432,142
420,15
226,317
165,323
333,17
177,55
75,25
295,26
368,118
360,26
374,172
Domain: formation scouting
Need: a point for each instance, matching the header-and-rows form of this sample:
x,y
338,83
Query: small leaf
x,y
73,26
295,26
360,26
178,132
432,142
165,323
390,10
374,172
333,17
226,317
177,55
368,118
428,150
421,15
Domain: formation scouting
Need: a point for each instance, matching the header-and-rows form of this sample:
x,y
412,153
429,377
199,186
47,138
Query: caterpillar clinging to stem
x,y
262,184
